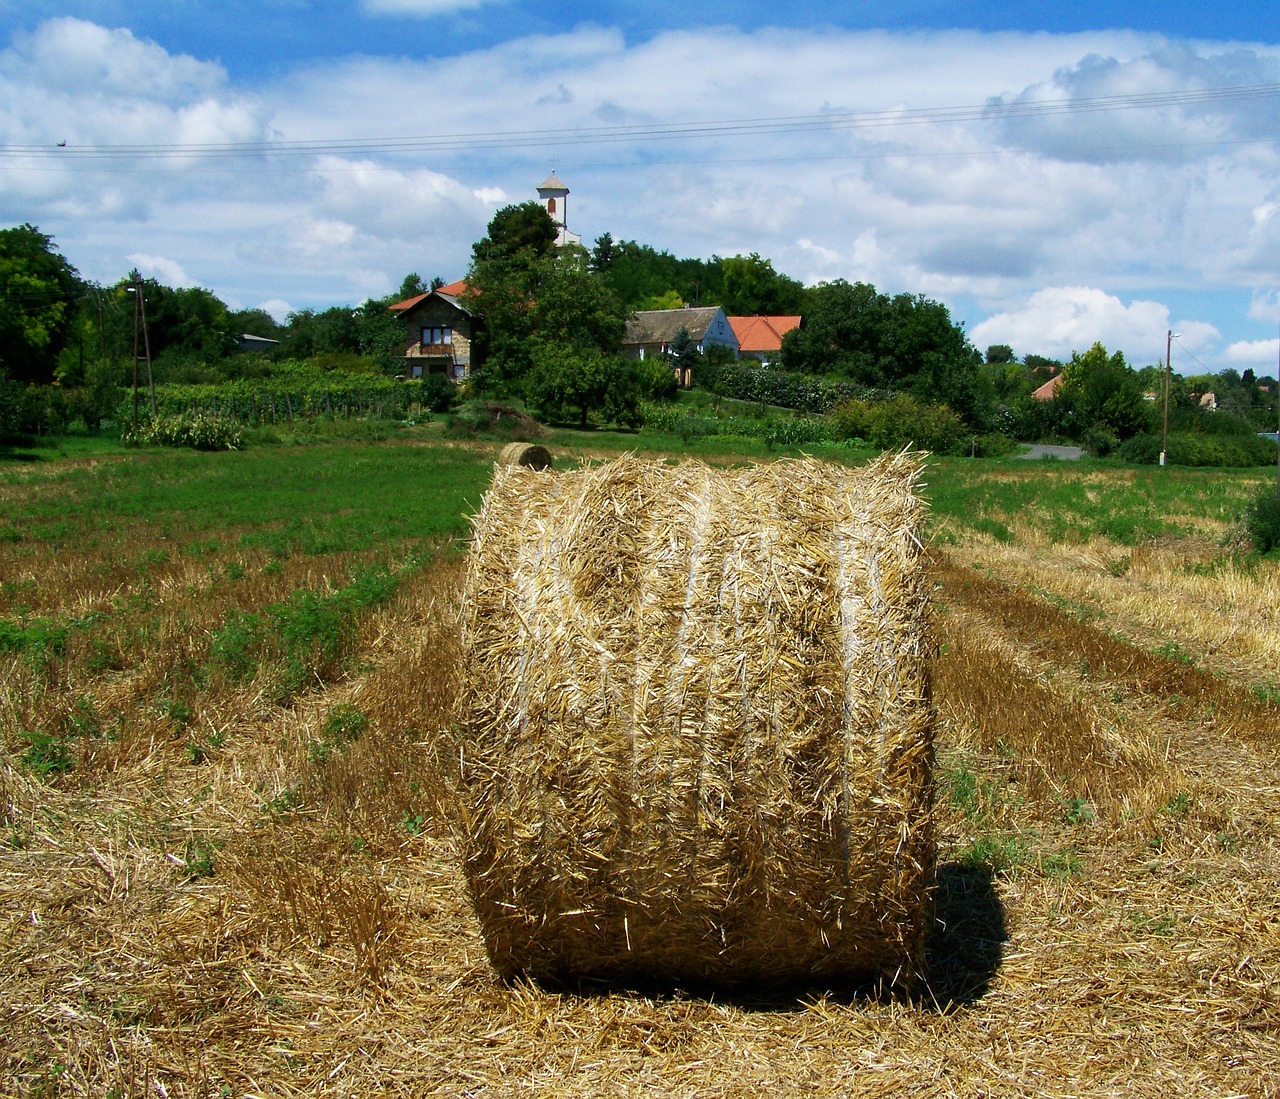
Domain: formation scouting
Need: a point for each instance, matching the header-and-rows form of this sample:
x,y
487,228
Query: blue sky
x,y
1056,173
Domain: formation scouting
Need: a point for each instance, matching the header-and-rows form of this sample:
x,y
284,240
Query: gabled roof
x,y
1048,391
762,333
451,293
661,325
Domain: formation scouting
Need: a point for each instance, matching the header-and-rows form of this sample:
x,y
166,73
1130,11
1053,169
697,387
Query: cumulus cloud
x,y
162,269
1058,320
1167,104
1264,305
1259,354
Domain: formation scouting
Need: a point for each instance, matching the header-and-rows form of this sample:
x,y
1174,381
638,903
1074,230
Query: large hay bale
x,y
529,455
697,725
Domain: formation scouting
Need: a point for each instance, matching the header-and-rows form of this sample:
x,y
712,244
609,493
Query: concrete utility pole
x,y
1164,445
140,303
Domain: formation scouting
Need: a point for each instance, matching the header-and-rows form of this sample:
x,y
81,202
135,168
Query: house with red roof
x,y
761,337
439,330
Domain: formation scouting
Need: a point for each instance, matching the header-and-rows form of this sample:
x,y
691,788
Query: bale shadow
x,y
963,952
969,932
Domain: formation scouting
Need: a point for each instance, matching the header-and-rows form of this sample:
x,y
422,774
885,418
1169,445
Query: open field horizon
x,y
227,823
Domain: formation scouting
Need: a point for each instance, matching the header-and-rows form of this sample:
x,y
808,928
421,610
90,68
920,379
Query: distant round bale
x,y
529,455
697,727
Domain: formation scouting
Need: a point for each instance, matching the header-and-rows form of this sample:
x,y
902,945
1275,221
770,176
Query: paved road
x,y
1064,453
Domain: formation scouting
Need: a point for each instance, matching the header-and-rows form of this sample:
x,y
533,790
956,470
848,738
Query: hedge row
x,y
263,401
1193,449
803,392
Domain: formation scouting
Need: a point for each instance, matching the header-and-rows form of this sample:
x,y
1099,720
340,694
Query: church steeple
x,y
554,196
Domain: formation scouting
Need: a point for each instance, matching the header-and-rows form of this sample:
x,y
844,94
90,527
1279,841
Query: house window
x,y
437,335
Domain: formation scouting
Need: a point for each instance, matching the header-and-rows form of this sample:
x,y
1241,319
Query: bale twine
x,y
529,455
697,728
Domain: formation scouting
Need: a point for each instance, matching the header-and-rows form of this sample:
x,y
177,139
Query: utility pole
x,y
140,306
136,296
1164,445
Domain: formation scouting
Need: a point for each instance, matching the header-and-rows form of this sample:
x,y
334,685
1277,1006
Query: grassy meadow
x,y
227,864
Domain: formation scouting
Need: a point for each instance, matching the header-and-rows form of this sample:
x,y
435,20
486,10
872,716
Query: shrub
x,y
1187,448
437,393
198,430
1261,520
901,421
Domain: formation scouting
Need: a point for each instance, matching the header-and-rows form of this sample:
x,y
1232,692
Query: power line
x,y
654,132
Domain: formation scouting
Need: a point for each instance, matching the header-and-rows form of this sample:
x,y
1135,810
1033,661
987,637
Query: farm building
x,y
652,332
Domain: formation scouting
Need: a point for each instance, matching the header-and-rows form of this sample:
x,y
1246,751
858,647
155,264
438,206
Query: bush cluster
x,y
777,431
765,385
198,430
902,421
1195,449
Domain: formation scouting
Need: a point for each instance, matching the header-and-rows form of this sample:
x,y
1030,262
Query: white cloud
x,y
278,308
162,269
1061,319
1264,305
1259,354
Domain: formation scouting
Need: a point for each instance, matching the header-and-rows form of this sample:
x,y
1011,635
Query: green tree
x,y
524,295
1103,392
522,231
38,290
751,286
602,254
907,343
1000,353
333,331
571,383
637,272
669,300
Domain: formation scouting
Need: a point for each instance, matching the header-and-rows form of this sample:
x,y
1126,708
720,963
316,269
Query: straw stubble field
x,y
228,864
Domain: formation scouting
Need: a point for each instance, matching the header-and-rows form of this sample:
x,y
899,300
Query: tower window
x,y
551,206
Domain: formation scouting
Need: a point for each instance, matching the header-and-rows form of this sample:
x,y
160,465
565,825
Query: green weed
x,y
46,755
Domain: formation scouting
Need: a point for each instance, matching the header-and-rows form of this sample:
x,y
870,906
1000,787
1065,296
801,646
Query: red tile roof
x,y
762,333
1048,391
453,290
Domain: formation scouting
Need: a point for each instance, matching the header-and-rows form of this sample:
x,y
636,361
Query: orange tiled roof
x,y
762,333
1048,391
453,290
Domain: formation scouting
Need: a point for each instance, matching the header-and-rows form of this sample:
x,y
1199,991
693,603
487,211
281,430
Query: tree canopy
x,y
906,342
38,291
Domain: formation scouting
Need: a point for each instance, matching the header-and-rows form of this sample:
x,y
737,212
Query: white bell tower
x,y
554,197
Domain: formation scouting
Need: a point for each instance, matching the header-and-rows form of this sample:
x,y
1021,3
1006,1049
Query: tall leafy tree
x,y
906,342
1103,392
38,289
752,286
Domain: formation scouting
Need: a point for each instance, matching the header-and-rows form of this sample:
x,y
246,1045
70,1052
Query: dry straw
x,y
530,455
697,728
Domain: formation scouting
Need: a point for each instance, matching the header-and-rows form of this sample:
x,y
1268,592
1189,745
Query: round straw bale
x,y
697,726
529,455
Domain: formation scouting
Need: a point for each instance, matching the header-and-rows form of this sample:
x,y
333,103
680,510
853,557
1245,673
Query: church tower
x,y
554,197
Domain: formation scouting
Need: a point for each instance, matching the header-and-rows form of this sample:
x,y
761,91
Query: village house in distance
x,y
440,329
